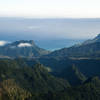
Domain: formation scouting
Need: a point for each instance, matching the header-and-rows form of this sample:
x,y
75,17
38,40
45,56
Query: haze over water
x,y
49,33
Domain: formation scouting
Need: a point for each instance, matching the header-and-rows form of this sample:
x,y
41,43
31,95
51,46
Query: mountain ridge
x,y
90,48
22,48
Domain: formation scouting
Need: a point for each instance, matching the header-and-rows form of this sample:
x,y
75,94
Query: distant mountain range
x,y
96,39
22,48
89,48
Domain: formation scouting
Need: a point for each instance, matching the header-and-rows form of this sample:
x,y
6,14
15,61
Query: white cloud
x,y
2,43
24,45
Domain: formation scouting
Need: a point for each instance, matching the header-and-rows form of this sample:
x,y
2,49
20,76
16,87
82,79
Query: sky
x,y
23,28
50,8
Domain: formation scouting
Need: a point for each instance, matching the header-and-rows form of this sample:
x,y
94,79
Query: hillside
x,y
90,90
22,48
20,81
73,75
88,49
34,79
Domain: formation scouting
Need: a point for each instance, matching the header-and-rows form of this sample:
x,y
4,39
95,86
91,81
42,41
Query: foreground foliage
x,y
18,81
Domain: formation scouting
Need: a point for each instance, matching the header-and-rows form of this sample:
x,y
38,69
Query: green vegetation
x,y
73,75
18,81
21,82
13,91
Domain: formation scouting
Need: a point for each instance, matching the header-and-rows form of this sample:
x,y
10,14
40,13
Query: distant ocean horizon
x,y
52,44
50,34
57,44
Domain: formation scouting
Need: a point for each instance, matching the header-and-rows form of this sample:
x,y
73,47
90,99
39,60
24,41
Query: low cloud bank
x,y
2,43
24,45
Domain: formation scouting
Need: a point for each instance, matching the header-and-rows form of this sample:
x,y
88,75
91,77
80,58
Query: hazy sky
x,y
50,8
21,28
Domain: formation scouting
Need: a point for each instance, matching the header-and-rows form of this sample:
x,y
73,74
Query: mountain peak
x,y
22,48
97,37
16,43
32,42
